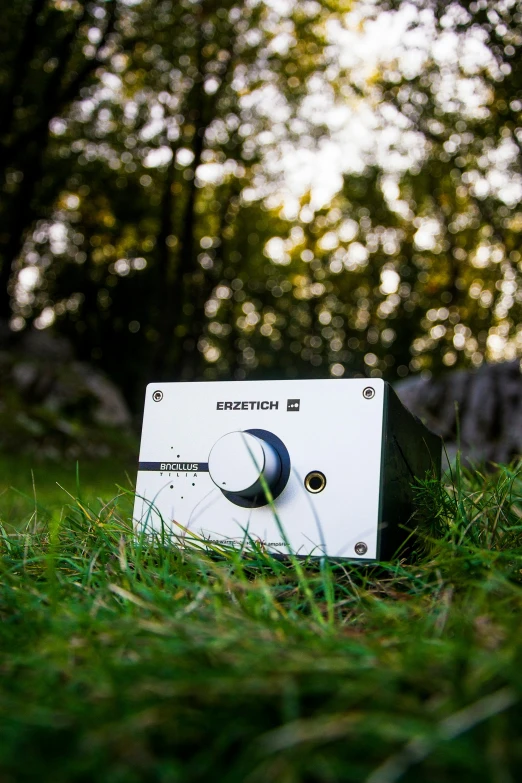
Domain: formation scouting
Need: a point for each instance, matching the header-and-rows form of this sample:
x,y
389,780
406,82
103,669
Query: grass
x,y
125,661
30,489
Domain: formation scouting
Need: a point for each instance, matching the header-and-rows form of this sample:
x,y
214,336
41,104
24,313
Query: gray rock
x,y
483,407
110,409
43,345
24,375
54,405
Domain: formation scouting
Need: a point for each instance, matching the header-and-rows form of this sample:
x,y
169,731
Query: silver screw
x,y
360,548
157,396
368,393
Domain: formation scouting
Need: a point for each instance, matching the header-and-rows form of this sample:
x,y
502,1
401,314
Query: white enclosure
x,y
209,451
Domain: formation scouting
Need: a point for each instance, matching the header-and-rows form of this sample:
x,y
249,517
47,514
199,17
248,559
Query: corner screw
x,y
360,548
368,393
157,396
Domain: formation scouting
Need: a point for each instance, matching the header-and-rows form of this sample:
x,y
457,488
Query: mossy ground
x,y
126,661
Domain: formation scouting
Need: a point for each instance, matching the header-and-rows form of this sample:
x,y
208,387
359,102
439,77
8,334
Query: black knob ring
x,y
260,499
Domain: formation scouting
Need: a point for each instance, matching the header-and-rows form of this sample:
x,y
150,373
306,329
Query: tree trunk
x,y
176,288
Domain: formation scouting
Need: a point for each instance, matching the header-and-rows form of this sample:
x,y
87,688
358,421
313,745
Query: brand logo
x,y
191,467
174,467
293,405
251,405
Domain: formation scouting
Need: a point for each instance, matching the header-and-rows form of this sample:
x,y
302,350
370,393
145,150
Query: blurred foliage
x,y
139,209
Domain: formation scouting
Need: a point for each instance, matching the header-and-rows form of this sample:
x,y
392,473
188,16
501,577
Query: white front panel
x,y
333,429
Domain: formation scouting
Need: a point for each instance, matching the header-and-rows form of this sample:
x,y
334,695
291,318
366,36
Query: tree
x,y
152,230
120,256
46,56
461,199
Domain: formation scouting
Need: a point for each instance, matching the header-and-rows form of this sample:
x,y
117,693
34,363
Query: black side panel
x,y
410,451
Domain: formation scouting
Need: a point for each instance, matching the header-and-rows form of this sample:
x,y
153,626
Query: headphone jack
x,y
315,482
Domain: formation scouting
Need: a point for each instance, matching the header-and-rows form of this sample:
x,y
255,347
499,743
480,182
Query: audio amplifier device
x,y
310,468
